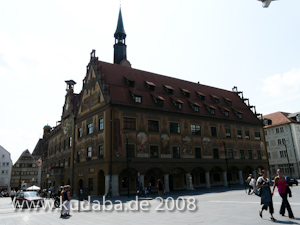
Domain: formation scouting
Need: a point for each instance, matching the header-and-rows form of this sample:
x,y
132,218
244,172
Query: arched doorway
x,y
101,183
198,175
177,179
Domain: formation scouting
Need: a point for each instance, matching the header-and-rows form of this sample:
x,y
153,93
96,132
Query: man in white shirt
x,y
12,194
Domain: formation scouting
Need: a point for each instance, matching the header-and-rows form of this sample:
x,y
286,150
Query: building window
x,y
178,104
130,82
216,153
101,124
266,133
70,141
153,126
229,102
281,129
195,107
136,98
198,153
90,128
169,89
101,151
230,154
196,129
91,184
201,96
250,154
239,134
228,133
131,151
154,152
279,141
257,135
150,85
176,152
283,154
186,93
267,143
211,110
269,155
79,132
129,123
247,135
175,128
89,152
213,131
258,154
216,99
242,154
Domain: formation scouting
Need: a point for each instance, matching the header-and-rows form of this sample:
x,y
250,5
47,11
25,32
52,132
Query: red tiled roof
x,y
278,118
119,93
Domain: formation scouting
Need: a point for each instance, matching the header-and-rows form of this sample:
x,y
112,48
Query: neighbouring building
x,y
283,143
5,169
129,127
24,172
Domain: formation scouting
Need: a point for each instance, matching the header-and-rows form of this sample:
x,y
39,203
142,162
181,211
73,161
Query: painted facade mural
x,y
187,146
142,143
165,144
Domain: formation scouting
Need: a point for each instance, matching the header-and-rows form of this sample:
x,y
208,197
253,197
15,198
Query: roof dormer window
x,y
201,96
238,114
136,97
169,89
215,98
186,92
129,82
211,109
195,106
229,102
158,100
178,103
225,111
150,85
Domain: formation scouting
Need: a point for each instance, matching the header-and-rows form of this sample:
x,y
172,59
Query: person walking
x,y
13,195
282,185
160,187
266,196
248,182
67,199
63,188
253,184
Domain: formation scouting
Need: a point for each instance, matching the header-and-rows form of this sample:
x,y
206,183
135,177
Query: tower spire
x,y
120,45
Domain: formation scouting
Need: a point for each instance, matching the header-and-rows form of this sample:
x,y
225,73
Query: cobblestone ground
x,y
218,205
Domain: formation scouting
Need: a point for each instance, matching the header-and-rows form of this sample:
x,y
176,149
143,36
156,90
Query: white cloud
x,y
282,85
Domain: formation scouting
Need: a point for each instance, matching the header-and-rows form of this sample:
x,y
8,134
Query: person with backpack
x,y
282,185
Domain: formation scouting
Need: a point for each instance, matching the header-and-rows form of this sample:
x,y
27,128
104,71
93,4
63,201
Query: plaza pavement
x,y
217,205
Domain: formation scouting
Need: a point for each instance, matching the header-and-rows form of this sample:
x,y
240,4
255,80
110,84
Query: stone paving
x,y
217,205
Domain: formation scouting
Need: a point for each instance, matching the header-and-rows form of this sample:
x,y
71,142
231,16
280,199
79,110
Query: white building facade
x,y
5,169
283,143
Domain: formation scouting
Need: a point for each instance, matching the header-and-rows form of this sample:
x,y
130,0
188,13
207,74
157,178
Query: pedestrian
x,y
253,184
67,201
63,188
248,182
282,186
266,196
12,194
161,188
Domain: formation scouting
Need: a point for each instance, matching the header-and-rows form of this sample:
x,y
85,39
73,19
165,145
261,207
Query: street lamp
x,y
287,155
226,160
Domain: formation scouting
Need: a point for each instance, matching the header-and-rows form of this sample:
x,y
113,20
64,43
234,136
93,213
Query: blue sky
x,y
218,43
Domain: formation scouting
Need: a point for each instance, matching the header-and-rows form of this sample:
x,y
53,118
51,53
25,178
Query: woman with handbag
x,y
282,186
266,196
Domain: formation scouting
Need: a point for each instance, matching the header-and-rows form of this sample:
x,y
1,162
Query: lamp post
x,y
287,155
226,160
